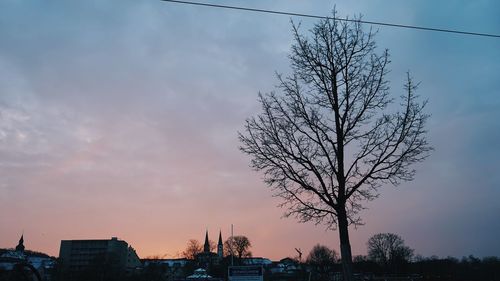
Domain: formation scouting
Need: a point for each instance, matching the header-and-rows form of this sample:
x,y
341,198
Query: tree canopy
x,y
389,250
239,246
193,248
321,259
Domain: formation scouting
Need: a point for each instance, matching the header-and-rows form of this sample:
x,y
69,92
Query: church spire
x,y
206,247
20,246
220,247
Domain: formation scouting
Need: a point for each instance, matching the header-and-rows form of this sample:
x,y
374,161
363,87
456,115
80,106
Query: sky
x,y
120,118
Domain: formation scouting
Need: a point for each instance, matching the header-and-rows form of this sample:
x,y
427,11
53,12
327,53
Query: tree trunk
x,y
345,246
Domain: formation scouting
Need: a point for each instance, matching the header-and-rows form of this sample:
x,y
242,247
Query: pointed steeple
x,y
206,247
20,246
220,247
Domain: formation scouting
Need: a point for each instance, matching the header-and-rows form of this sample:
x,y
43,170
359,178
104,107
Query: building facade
x,y
77,255
207,258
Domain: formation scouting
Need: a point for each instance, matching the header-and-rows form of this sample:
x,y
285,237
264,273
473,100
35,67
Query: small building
x,y
256,261
170,269
178,263
201,275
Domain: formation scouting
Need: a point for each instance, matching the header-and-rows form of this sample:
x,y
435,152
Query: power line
x,y
332,18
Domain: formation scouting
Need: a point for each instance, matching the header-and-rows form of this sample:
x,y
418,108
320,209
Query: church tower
x,y
206,246
20,246
220,247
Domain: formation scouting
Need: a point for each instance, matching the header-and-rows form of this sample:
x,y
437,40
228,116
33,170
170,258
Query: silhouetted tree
x,y
193,248
364,265
321,259
153,272
332,136
20,272
389,250
238,246
213,245
451,269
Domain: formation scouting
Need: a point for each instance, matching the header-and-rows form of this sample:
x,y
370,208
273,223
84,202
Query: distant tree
x,y
322,260
193,248
213,245
238,246
320,254
20,272
389,250
152,272
332,135
363,264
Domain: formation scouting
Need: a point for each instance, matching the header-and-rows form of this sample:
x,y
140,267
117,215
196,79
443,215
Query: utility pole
x,y
232,254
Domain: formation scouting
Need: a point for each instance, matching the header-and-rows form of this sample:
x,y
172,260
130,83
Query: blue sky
x,y
120,118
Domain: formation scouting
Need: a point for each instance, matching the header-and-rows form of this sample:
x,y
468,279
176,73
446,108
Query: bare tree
x,y
213,245
332,135
321,259
192,249
388,250
239,246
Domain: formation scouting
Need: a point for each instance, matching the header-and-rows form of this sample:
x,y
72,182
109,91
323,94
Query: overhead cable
x,y
333,18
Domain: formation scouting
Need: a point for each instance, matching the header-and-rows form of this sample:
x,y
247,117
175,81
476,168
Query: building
x,y
77,255
19,264
220,247
256,261
170,269
207,258
10,259
133,261
174,263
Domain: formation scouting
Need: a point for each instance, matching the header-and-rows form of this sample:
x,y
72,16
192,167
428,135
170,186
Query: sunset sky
x,y
120,118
